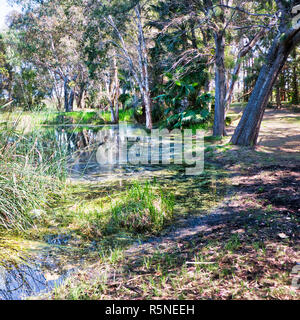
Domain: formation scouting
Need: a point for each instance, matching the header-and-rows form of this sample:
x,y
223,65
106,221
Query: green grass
x,y
30,165
142,208
76,117
95,211
124,115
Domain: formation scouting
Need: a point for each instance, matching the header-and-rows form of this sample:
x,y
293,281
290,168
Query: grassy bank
x,y
26,121
247,255
32,168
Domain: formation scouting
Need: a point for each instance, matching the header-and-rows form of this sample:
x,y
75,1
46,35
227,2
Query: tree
x,y
222,24
295,77
123,39
59,53
286,40
6,72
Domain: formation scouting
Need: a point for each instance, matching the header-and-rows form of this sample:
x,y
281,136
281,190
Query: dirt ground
x,y
279,133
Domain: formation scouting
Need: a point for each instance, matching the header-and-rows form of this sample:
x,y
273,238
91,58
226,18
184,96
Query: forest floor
x,y
245,246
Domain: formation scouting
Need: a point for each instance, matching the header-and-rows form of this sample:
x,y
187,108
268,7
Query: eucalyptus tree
x,y
117,30
51,39
286,39
6,71
214,28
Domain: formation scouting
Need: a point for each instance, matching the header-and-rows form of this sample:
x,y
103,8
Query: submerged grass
x,y
95,212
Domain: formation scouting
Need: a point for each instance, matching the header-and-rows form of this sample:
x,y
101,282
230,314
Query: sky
x,y
4,10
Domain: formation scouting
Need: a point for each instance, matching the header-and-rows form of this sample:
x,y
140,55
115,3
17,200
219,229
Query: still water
x,y
93,154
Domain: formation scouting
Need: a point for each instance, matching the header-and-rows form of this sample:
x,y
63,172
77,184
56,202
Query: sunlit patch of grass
x,y
76,117
93,211
124,115
142,208
11,251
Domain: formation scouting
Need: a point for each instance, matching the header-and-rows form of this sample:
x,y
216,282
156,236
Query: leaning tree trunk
x,y
234,77
247,131
220,93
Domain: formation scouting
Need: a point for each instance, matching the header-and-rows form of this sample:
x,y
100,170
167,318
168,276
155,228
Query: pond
x,y
96,153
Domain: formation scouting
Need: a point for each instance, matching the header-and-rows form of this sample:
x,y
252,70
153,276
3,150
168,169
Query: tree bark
x,y
220,93
243,52
278,98
69,94
247,131
295,86
66,94
143,61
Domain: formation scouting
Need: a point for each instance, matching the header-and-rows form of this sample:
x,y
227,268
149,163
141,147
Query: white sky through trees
x,y
5,8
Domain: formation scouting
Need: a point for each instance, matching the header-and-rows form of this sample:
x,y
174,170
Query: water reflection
x,y
20,281
95,152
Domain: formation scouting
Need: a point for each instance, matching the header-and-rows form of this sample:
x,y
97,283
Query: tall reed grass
x,y
32,166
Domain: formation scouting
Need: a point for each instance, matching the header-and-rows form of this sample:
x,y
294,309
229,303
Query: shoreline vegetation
x,y
38,201
105,105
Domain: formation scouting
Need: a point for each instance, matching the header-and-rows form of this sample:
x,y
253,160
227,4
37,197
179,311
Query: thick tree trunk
x,y
113,115
220,93
234,77
80,96
71,100
69,94
247,130
66,94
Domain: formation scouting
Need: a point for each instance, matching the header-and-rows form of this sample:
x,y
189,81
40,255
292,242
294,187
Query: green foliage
x,y
142,208
185,104
27,91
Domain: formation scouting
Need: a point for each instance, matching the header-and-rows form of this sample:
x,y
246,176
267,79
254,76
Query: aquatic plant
x,y
31,166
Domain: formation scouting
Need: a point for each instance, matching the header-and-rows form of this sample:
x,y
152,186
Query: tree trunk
x,y
247,130
148,107
278,98
113,115
220,93
143,61
116,89
295,87
66,94
80,96
243,52
69,94
71,100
